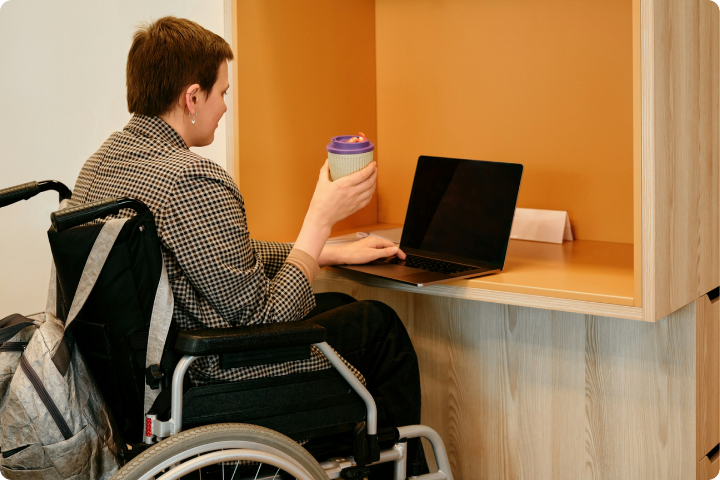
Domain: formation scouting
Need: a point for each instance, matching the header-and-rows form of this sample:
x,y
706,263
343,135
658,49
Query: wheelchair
x,y
248,429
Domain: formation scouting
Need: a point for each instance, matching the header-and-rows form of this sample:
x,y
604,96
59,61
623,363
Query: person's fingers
x,y
377,242
363,203
361,175
367,184
325,170
386,252
401,255
365,196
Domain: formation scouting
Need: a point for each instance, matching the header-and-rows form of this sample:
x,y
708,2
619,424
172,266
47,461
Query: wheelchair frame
x,y
158,430
333,467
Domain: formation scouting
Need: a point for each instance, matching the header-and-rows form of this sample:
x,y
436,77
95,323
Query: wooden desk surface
x,y
581,276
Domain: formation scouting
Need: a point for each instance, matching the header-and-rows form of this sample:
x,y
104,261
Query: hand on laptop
x,y
357,253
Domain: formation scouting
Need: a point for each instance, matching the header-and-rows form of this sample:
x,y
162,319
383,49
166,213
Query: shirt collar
x,y
155,127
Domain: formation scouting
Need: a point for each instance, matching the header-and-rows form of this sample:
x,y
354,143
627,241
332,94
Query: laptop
x,y
457,224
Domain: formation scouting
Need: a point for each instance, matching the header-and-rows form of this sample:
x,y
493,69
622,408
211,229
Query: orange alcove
x,y
551,85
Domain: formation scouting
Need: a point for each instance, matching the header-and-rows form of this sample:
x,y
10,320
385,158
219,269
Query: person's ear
x,y
191,98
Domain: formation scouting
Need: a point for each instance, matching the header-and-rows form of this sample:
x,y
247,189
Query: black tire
x,y
205,437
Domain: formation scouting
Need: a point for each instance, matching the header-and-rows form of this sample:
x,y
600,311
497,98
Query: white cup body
x,y
341,165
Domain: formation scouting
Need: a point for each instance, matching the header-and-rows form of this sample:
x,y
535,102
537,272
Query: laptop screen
x,y
462,210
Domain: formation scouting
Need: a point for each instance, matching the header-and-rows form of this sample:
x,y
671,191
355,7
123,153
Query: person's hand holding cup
x,y
348,154
335,200
346,184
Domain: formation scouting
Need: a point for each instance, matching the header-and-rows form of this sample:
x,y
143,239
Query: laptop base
x,y
412,276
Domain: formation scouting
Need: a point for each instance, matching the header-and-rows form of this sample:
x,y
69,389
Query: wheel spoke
x,y
236,465
207,447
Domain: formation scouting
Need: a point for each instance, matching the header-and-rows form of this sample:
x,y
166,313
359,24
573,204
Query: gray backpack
x,y
54,423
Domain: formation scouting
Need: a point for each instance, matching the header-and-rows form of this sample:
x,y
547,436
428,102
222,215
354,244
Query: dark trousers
x,y
372,338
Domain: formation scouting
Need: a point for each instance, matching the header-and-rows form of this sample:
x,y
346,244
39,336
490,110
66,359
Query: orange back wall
x,y
547,84
305,72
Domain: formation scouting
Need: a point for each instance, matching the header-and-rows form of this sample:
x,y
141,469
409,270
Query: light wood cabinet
x,y
542,371
612,107
708,469
528,393
707,384
680,147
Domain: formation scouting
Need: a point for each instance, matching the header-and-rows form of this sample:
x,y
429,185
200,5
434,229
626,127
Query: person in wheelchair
x,y
177,77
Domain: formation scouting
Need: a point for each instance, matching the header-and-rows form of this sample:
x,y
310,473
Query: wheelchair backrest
x,y
111,331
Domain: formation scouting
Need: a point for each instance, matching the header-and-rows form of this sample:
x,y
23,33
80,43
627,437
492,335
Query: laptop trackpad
x,y
384,269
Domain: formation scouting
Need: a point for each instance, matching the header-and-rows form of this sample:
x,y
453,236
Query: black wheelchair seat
x,y
300,405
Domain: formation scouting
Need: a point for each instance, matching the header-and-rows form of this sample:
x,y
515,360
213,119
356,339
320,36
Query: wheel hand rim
x,y
235,454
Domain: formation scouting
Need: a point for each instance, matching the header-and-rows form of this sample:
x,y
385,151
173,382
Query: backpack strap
x,y
11,325
93,266
160,321
51,306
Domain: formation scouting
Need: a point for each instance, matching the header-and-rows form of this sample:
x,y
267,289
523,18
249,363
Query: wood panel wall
x,y
681,153
708,469
708,375
523,393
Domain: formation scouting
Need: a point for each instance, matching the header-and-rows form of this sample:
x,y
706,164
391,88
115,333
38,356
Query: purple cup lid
x,y
339,146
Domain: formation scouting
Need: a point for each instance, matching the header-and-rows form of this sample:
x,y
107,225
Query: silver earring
x,y
192,119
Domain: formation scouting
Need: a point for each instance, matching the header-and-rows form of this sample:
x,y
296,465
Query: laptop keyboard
x,y
436,266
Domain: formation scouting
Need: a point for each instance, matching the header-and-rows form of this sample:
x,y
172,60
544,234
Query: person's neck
x,y
176,119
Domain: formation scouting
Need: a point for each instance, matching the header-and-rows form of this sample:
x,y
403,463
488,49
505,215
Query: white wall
x,y
62,85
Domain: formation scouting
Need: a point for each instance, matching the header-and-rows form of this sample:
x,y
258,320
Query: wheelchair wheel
x,y
226,451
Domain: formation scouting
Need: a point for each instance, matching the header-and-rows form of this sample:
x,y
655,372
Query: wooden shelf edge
x,y
492,296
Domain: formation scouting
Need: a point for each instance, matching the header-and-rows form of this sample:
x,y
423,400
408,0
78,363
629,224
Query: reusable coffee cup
x,y
346,158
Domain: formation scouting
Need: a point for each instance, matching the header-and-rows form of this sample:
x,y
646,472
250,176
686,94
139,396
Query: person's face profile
x,y
210,108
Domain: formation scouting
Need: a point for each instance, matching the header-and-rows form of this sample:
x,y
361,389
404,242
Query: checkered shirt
x,y
219,276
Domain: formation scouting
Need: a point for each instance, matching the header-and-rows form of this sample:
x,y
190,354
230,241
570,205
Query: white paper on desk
x,y
392,234
349,238
552,226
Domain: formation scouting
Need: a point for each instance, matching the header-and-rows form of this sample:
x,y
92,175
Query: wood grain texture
x,y
637,155
526,393
708,375
235,76
593,272
647,93
708,469
680,112
467,290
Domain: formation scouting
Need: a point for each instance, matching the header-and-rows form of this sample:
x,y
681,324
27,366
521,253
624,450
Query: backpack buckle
x,y
153,376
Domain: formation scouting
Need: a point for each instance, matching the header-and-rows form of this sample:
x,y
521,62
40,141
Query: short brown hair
x,y
168,55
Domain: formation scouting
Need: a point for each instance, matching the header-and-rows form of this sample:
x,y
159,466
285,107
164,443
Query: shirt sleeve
x,y
272,255
206,229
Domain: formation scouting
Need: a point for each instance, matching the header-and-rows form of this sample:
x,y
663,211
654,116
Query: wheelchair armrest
x,y
212,341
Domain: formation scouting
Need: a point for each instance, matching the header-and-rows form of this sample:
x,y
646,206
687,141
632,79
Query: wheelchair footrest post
x,y
148,437
155,428
366,449
374,448
360,445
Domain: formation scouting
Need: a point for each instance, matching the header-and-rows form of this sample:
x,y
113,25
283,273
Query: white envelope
x,y
552,226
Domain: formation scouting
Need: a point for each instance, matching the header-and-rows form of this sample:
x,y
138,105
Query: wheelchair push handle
x,y
75,216
10,195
